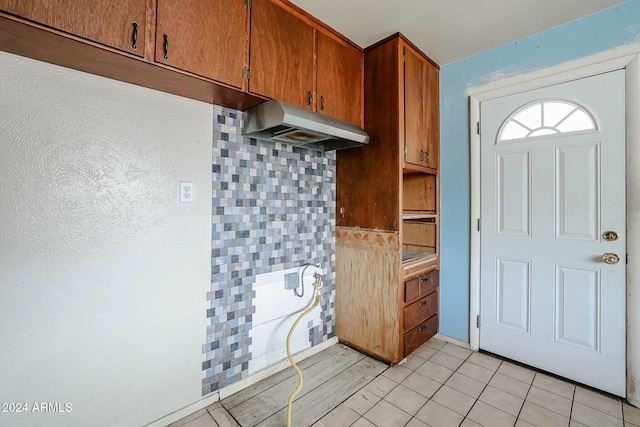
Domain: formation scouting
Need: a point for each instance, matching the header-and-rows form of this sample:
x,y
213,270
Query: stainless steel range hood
x,y
278,121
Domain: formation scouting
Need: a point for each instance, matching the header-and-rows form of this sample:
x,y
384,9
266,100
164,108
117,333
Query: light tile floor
x,y
442,385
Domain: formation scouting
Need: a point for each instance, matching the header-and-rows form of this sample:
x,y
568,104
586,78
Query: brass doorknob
x,y
610,258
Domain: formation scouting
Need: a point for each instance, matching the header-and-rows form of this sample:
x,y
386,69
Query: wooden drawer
x,y
420,310
420,334
421,286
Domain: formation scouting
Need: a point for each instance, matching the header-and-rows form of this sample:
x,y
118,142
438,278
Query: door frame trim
x,y
627,58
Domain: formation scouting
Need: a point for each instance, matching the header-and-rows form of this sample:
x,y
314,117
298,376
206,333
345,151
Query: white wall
x,y
103,272
277,309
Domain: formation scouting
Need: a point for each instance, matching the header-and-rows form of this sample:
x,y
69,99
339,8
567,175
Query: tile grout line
x,y
443,384
390,403
573,399
362,388
483,389
526,395
400,383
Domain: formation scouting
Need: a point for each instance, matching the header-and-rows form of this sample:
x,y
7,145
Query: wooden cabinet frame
x,y
374,190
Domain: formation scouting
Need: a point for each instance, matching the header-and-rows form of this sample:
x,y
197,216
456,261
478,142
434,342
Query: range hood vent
x,y
278,121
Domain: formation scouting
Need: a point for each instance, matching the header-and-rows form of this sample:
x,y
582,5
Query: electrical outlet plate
x,y
186,192
291,281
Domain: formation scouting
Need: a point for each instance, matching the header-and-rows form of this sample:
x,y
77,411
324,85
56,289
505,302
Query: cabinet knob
x,y
166,46
134,36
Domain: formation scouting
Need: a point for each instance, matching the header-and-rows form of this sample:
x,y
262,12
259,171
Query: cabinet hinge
x,y
245,73
478,321
478,127
247,4
478,224
627,258
404,58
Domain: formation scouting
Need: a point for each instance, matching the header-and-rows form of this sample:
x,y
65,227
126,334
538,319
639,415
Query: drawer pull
x,y
422,328
134,36
423,280
423,303
166,46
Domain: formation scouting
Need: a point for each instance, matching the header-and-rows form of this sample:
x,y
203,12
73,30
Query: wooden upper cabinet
x,y
282,54
340,80
234,53
205,38
116,24
421,110
415,103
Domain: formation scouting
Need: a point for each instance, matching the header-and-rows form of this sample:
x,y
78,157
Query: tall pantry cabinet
x,y
387,283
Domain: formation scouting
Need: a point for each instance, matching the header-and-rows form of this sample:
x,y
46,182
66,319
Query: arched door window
x,y
546,118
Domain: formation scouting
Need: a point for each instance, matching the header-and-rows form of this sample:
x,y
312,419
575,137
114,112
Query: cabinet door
x,y
205,38
104,21
432,82
340,80
421,104
281,58
414,108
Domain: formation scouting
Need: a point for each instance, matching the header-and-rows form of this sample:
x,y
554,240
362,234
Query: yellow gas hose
x,y
316,300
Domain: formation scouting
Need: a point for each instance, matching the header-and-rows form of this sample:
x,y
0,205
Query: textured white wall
x,y
103,272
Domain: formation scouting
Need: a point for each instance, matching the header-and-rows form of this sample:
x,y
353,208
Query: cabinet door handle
x,y
422,328
423,303
166,46
134,37
423,280
309,99
322,104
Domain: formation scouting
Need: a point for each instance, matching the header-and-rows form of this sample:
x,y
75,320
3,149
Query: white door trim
x,y
627,58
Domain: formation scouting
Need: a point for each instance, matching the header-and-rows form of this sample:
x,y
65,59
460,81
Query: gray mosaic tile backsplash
x,y
273,208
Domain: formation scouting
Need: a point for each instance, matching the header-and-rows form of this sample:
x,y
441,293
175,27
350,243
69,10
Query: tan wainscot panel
x,y
368,266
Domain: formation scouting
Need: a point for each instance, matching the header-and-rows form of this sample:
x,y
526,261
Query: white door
x,y
552,190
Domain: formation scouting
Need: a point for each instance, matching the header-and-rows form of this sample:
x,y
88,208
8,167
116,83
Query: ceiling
x,y
449,30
